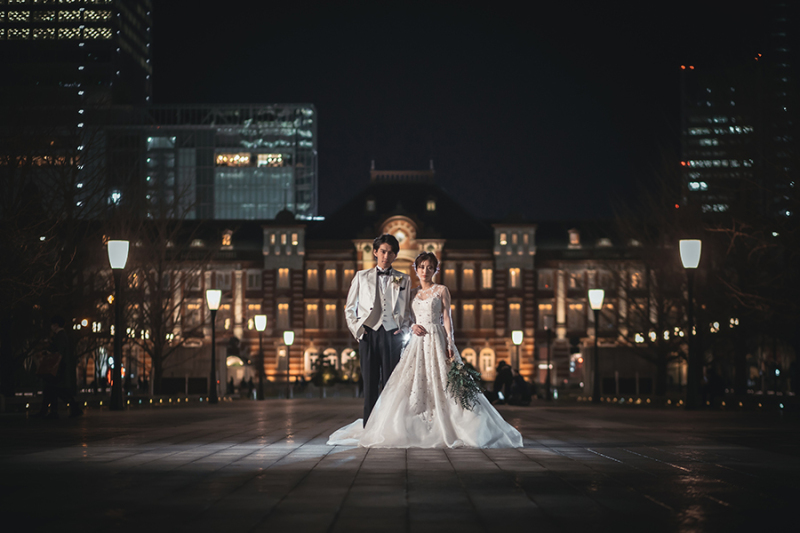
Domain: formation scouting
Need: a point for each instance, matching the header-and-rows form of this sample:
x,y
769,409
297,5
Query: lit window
x,y
468,280
252,311
487,316
68,15
431,206
97,15
294,239
44,16
513,278
576,316
450,276
636,280
44,33
371,205
197,243
330,316
283,315
348,275
283,278
311,279
19,16
226,239
486,278
514,316
283,239
330,279
272,238
312,316
514,238
270,160
574,237
468,316
503,239
525,238
69,33
18,33
698,186
545,309
241,159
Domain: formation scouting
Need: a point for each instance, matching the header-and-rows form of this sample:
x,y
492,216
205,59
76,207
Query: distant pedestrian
x,y
63,384
250,387
231,386
503,381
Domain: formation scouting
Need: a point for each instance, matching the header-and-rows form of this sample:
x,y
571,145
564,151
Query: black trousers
x,y
380,353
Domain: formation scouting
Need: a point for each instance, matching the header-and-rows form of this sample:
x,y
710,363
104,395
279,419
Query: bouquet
x,y
464,385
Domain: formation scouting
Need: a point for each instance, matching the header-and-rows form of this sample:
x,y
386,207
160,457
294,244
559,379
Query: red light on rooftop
x,y
683,67
691,67
683,163
677,206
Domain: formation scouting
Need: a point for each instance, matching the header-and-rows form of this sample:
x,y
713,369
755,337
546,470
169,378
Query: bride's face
x,y
426,271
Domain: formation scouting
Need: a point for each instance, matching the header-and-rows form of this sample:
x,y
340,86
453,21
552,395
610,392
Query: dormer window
x,y
604,242
226,239
294,239
431,206
370,205
197,243
503,239
574,237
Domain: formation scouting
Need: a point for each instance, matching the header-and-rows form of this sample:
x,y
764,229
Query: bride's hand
x,y
418,330
449,354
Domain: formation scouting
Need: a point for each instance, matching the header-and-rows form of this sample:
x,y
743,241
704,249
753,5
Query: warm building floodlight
x,y
118,253
288,337
516,337
596,298
213,297
690,252
261,322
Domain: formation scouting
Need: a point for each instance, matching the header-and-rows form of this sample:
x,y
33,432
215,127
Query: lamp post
x,y
596,303
548,329
516,338
261,325
690,257
117,257
213,297
288,340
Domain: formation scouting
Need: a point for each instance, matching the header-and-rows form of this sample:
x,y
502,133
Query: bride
x,y
414,410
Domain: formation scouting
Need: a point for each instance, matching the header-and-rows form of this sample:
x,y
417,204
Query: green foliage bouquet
x,y
463,384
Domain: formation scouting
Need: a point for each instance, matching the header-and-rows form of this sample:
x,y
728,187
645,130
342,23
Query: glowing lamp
x,y
516,337
596,298
118,253
213,297
690,252
288,337
261,322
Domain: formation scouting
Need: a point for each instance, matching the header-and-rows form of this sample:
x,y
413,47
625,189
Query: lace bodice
x,y
428,312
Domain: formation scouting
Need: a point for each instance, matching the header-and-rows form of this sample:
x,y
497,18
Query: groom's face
x,y
384,256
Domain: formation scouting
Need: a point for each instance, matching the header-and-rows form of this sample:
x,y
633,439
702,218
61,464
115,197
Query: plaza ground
x,y
248,466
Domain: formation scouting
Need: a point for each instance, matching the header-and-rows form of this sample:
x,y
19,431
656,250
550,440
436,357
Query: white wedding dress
x,y
414,410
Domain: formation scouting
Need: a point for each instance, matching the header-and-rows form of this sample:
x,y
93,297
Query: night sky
x,y
549,113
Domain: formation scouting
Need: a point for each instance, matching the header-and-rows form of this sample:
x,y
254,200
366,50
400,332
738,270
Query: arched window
x,y
469,356
487,364
310,359
331,357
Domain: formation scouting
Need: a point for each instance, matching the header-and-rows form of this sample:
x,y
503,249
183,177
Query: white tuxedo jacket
x,y
361,300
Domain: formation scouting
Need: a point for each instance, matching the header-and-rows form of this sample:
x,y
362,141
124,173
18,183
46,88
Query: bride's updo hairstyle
x,y
426,256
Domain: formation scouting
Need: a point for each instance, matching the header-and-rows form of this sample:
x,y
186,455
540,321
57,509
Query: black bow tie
x,y
385,272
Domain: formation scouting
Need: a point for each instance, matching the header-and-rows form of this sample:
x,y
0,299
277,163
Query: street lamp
x,y
213,297
261,325
516,338
117,257
548,329
596,303
288,340
690,257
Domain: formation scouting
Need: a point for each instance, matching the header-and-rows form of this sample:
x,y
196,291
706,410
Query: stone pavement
x,y
263,466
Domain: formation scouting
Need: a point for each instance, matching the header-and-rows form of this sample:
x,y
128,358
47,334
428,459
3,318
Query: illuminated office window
x,y
270,160
66,16
44,16
431,206
514,278
253,309
69,33
226,239
44,33
91,16
241,159
19,33
19,16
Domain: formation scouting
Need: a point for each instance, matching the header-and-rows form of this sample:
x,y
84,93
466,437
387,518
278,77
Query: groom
x,y
377,313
